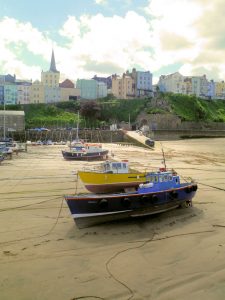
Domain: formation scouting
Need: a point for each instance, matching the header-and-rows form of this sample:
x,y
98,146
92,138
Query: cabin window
x,y
124,166
156,179
170,178
166,178
150,178
161,178
107,167
116,165
176,180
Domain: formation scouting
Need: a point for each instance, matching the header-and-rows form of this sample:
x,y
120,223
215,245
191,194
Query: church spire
x,y
52,65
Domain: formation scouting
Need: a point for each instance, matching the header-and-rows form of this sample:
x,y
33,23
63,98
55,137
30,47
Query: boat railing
x,y
96,169
93,145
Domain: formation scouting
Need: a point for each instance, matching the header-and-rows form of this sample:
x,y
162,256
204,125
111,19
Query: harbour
x,y
44,254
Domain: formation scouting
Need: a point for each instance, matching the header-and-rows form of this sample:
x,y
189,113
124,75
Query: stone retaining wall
x,y
165,121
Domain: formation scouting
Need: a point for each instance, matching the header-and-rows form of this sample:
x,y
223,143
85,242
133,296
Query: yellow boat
x,y
113,177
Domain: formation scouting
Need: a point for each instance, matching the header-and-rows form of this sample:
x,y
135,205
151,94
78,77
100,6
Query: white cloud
x,y
100,39
187,32
101,2
93,41
175,38
172,32
15,36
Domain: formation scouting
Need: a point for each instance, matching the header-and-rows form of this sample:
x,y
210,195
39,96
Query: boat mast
x,y
164,160
77,137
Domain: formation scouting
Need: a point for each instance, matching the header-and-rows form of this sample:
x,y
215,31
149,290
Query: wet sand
x,y
174,255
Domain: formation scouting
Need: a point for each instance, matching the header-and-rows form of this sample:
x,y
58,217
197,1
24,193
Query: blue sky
x,y
103,37
48,14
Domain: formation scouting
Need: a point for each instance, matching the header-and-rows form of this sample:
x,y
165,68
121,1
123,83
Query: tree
x,y
90,110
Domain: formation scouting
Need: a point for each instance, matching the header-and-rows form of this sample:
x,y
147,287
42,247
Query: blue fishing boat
x,y
162,191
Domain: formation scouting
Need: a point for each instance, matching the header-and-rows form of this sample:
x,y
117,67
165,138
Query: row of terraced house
x,y
50,90
192,85
134,84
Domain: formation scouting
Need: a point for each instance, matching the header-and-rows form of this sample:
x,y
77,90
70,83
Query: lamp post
x,y
4,121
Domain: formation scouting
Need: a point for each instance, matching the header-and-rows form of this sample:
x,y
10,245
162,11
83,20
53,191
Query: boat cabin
x,y
7,141
160,181
162,177
4,148
115,167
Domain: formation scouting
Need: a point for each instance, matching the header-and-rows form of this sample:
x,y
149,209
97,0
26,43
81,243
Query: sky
x,y
104,37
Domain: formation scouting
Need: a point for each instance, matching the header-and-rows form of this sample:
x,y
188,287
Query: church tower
x,y
53,65
51,78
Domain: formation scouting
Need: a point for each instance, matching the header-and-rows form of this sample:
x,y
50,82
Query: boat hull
x,y
92,209
110,183
70,155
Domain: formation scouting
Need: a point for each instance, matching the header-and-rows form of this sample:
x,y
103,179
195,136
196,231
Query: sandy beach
x,y
175,255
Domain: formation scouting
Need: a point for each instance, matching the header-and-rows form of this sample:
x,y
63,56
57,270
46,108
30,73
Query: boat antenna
x,y
164,159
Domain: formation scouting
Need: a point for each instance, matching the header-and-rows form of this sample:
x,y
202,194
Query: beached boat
x,y
6,150
162,191
111,177
81,151
10,145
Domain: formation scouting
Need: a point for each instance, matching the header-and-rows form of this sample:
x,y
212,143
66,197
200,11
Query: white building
x,y
200,86
172,83
23,91
188,85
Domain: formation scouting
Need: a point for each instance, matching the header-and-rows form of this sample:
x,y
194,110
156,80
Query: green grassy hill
x,y
190,108
48,115
107,111
122,110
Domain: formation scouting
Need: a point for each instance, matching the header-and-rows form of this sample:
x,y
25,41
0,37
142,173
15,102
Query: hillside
x,y
107,111
42,115
190,108
187,108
